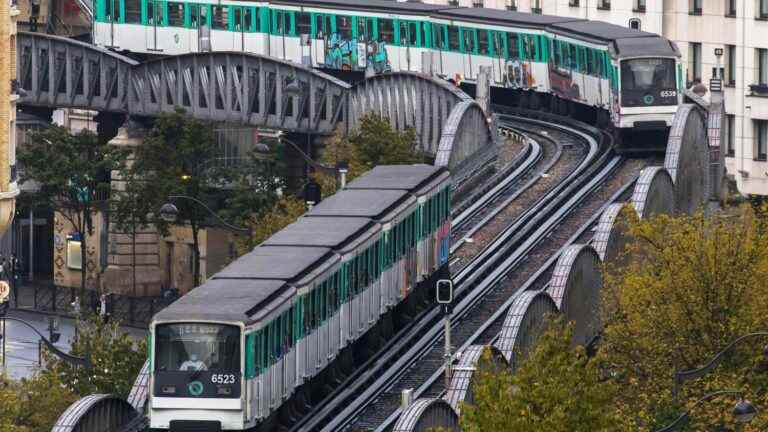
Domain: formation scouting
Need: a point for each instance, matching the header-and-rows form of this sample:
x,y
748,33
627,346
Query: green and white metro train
x,y
626,78
261,336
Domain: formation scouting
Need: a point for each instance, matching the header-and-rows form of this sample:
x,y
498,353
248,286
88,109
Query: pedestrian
x,y
104,313
15,270
76,307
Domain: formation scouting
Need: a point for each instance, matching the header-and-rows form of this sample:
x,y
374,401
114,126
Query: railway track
x,y
362,398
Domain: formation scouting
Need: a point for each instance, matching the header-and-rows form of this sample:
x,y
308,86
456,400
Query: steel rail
x,y
493,260
501,312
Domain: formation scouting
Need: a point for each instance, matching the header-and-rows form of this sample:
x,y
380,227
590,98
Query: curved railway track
x,y
366,397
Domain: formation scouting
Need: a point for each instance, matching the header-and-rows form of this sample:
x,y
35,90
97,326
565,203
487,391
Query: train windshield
x,y
190,347
648,81
647,73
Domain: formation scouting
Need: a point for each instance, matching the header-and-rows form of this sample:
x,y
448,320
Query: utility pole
x,y
444,294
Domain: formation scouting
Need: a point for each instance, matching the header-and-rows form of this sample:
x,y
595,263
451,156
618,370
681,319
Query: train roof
x,y
501,17
597,30
380,205
234,300
646,46
404,177
338,233
288,263
389,6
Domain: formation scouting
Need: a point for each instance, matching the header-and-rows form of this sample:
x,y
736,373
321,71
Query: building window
x,y
573,3
762,9
604,4
536,6
694,7
761,139
694,60
74,254
730,135
730,8
477,3
730,65
634,24
639,6
512,5
761,55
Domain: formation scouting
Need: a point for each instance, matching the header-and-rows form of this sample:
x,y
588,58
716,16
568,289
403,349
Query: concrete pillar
x,y
127,250
8,186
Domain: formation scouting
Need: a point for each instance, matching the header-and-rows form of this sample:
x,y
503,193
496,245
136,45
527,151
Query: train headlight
x,y
224,390
168,389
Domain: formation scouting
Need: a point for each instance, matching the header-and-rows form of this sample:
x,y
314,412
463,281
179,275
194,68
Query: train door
x,y
409,39
366,41
113,15
153,16
498,44
468,48
280,22
237,25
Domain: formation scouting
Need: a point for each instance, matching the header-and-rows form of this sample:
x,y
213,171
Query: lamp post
x,y
170,213
683,376
743,411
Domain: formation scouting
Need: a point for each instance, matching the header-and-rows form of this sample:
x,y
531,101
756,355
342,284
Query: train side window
x,y
414,35
496,45
236,19
438,37
132,11
513,45
304,23
453,38
344,24
482,42
219,18
574,57
468,39
175,14
112,10
386,30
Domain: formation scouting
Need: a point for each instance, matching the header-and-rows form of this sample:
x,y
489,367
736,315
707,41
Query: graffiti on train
x,y
349,54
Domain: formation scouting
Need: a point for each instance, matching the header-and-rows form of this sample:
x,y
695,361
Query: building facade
x,y
737,27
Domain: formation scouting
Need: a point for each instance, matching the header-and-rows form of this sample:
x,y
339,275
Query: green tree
x,y
180,156
558,388
72,172
280,215
33,404
694,284
375,143
116,359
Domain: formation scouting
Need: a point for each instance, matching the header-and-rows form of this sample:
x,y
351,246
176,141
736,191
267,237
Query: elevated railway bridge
x,y
453,128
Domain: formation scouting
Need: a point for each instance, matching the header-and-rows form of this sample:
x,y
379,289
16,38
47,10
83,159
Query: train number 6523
x,y
223,379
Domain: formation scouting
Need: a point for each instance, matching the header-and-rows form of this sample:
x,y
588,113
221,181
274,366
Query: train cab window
x,y
513,45
453,38
344,24
175,14
189,347
132,11
386,30
303,23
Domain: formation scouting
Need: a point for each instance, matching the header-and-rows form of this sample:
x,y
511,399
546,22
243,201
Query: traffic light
x,y
53,327
445,291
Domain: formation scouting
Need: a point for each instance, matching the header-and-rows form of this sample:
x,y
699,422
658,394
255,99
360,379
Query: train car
x,y
254,345
620,78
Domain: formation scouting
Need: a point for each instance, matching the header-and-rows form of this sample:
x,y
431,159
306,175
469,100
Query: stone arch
x,y
654,193
425,414
687,158
612,235
95,413
522,325
575,287
461,387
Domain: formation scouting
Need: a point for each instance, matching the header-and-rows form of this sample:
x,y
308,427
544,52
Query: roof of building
x,y
234,300
330,232
405,177
287,263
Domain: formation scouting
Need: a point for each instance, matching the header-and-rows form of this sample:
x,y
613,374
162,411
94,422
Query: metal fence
x,y
131,311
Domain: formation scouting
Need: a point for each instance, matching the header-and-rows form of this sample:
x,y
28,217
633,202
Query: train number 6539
x,y
668,93
223,379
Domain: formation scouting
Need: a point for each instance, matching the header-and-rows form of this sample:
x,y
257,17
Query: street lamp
x,y
743,411
682,376
170,213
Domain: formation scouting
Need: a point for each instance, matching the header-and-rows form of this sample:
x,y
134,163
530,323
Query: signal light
x,y
444,291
